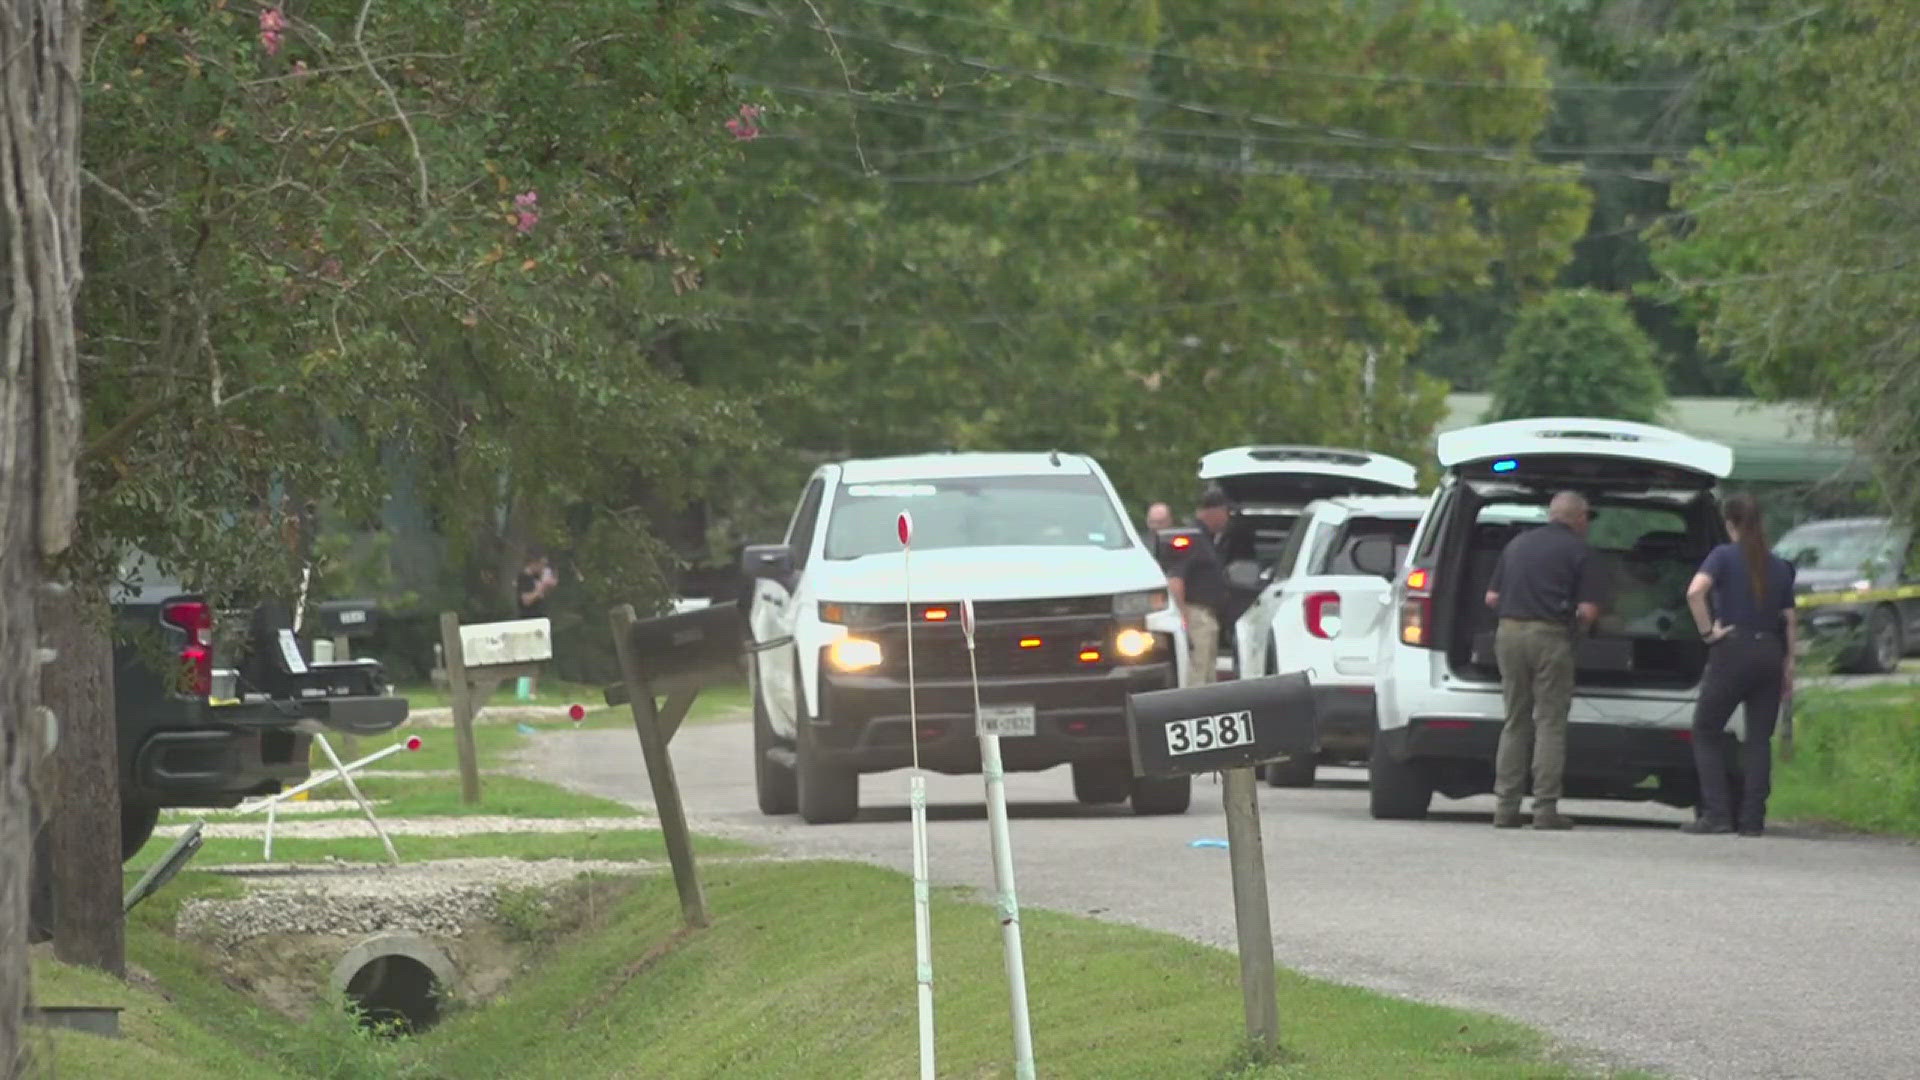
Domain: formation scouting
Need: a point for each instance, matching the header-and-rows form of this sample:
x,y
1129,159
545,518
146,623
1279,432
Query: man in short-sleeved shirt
x,y
1546,587
1199,585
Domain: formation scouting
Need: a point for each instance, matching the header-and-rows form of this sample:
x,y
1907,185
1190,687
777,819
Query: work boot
x,y
1547,816
1706,826
1506,817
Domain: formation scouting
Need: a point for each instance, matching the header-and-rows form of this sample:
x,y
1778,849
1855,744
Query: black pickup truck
x,y
217,707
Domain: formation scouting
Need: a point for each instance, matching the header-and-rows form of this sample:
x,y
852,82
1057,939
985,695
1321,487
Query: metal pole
x,y
917,803
1008,902
1253,924
365,807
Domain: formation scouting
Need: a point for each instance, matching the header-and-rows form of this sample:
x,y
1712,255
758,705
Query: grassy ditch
x,y
1856,761
806,972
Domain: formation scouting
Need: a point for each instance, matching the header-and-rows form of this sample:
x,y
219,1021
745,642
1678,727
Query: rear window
x,y
1337,557
975,511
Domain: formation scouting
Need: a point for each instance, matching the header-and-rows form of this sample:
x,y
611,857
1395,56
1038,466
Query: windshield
x,y
975,511
1338,557
1855,546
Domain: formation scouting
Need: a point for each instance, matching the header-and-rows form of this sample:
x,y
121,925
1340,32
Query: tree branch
x,y
400,114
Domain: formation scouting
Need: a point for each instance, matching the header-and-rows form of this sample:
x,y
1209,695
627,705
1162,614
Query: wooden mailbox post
x,y
478,659
675,654
1229,728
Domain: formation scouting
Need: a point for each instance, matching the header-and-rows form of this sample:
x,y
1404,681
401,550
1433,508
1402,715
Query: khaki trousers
x,y
1536,678
1203,644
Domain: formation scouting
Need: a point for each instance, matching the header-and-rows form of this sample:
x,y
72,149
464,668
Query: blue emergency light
x,y
1505,466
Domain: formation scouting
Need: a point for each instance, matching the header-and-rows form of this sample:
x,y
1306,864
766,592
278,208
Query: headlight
x,y
1133,644
1139,603
854,654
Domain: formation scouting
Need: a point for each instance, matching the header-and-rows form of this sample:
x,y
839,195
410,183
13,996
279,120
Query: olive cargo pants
x,y
1536,678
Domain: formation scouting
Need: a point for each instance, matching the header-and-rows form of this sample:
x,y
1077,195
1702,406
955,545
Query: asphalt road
x,y
1789,955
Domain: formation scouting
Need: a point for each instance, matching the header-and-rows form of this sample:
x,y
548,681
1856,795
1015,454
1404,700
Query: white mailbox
x,y
519,641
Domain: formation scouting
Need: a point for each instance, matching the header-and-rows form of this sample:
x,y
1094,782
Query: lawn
x,y
806,972
1856,761
439,796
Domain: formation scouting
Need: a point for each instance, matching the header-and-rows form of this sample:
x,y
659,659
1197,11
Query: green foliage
x,y
1577,352
1797,248
1856,761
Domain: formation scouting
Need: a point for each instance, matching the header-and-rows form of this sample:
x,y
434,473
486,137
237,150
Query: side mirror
x,y
1374,555
769,561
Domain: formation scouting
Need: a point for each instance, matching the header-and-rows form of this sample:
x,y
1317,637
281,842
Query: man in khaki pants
x,y
1547,588
1199,586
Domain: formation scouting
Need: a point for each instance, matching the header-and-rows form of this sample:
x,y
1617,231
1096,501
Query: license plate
x,y
1210,732
1005,720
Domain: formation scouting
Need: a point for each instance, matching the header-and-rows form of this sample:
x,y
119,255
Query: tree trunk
x,y
39,418
83,788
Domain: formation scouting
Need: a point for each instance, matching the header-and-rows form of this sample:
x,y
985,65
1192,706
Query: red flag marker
x,y
576,713
413,742
904,526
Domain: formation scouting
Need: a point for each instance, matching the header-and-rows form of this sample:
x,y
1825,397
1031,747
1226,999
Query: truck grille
x,y
1001,651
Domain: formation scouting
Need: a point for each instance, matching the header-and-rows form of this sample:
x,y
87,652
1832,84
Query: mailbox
x,y
686,644
347,618
1228,725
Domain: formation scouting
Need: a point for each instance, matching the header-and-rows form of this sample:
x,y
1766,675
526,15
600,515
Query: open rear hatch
x,y
1270,485
1654,520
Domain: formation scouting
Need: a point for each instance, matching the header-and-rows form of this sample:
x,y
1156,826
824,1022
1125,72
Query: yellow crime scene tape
x,y
1864,596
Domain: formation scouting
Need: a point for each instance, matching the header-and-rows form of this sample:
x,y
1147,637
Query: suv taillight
x,y
1416,609
1323,614
195,619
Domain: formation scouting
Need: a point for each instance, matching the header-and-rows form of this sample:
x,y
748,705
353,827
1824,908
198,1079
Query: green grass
x,y
439,796
806,972
1856,761
617,844
551,692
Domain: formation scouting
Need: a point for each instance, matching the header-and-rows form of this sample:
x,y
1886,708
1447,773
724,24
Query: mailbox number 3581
x,y
1210,733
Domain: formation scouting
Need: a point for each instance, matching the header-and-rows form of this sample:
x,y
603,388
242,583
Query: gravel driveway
x,y
1787,956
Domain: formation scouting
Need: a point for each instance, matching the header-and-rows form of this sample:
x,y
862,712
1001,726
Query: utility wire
x,y
1145,53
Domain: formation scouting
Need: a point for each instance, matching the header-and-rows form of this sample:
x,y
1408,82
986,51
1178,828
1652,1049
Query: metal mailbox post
x,y
1229,728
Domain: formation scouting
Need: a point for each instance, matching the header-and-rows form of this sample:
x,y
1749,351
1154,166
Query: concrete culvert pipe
x,y
398,981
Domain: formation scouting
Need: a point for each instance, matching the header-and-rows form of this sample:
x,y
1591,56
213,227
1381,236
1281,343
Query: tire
x,y
1396,790
773,784
137,821
1161,797
825,793
1883,649
1100,783
1295,772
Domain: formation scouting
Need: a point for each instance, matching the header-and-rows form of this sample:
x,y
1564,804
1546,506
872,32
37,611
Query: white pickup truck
x,y
1072,613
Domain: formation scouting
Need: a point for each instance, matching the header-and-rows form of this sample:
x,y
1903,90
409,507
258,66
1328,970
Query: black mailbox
x,y
686,644
347,618
1227,725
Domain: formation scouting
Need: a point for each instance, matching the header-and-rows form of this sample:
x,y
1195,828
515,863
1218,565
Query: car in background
x,y
1270,486
1653,494
1864,574
1072,617
1320,613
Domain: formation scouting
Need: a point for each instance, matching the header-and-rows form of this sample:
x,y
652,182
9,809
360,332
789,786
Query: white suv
x,y
1652,492
1321,613
1270,486
1072,616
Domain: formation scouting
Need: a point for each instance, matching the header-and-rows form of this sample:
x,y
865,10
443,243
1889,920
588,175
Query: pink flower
x,y
527,211
743,126
272,22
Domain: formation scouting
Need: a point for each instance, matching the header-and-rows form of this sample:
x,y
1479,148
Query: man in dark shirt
x,y
1547,587
1199,586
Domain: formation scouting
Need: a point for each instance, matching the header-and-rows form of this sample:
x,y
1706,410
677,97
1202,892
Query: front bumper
x,y
865,720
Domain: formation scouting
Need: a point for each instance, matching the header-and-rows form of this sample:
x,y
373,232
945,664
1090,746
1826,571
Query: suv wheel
x,y
773,783
1884,647
1396,790
137,821
1157,796
825,793
1099,783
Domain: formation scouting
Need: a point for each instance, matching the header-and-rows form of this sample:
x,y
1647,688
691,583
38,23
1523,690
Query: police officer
x,y
1750,636
1547,587
1198,583
1159,516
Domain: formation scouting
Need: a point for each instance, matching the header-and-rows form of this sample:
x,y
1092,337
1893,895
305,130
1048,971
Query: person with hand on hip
x,y
1742,603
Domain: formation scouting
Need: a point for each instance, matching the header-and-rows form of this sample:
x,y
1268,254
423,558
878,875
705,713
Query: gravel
x,y
336,828
440,898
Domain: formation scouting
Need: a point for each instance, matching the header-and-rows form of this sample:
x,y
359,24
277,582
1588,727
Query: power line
x,y
1359,142
1140,97
1145,53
